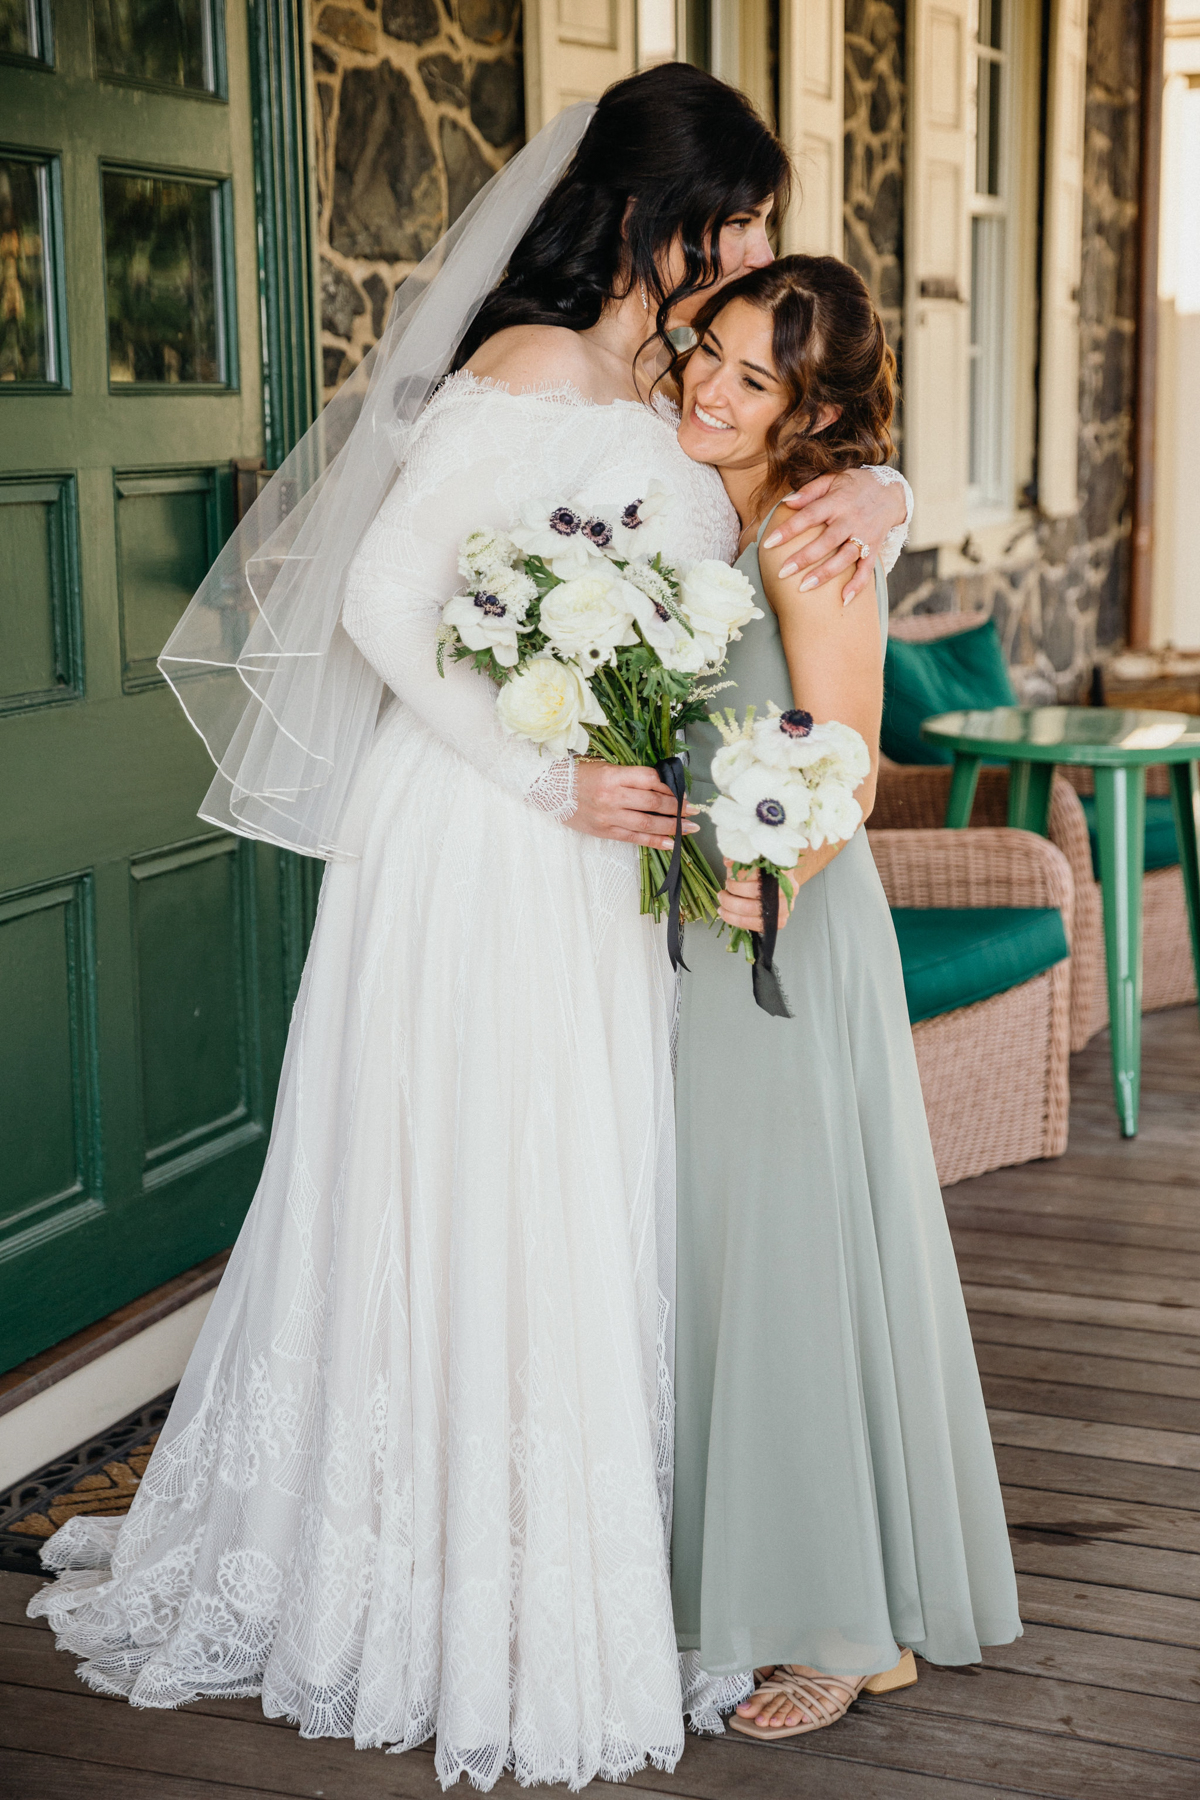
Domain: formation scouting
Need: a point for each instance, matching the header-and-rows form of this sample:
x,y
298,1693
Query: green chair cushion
x,y
1162,849
952,674
955,955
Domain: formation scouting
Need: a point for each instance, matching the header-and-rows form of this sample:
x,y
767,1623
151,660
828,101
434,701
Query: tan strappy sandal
x,y
825,1698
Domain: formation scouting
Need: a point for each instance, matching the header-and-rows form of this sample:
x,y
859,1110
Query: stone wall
x,y
1060,595
418,103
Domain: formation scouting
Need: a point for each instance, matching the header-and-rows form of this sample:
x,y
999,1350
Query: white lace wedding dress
x,y
416,1472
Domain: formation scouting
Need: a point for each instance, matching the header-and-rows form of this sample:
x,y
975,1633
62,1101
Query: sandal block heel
x,y
903,1675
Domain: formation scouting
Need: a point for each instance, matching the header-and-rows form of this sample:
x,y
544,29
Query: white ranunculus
x,y
695,655
589,616
550,703
486,622
763,813
717,600
483,553
835,816
731,761
556,534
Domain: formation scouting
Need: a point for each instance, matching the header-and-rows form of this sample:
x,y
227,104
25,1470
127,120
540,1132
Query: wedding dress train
x,y
417,1473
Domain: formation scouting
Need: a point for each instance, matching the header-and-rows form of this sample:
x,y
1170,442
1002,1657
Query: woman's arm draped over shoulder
x,y
406,568
835,658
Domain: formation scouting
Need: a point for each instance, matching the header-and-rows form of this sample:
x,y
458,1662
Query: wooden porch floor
x,y
1083,1279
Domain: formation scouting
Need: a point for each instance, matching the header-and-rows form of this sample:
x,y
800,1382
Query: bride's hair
x,y
690,153
829,349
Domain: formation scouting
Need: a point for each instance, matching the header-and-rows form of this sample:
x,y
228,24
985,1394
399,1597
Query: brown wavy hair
x,y
829,349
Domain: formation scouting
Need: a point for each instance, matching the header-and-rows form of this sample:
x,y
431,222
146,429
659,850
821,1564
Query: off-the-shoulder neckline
x,y
563,393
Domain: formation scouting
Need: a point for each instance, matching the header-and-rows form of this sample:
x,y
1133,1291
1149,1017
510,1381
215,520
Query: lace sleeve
x,y
897,537
403,573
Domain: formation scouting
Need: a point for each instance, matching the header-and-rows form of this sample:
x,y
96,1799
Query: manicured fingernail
x,y
776,537
668,843
788,568
808,584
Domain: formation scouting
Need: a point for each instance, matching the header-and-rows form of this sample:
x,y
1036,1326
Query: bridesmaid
x,y
836,1495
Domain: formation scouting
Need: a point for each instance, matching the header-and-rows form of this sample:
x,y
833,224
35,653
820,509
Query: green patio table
x,y
1117,745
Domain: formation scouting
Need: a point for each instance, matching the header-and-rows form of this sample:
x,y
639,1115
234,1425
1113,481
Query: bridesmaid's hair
x,y
829,349
689,152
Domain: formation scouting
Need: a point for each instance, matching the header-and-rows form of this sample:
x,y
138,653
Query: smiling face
x,y
741,246
731,392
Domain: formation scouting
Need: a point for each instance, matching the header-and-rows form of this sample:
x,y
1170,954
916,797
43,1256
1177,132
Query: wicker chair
x,y
915,795
995,1076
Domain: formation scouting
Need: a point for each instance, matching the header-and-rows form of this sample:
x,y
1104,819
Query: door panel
x,y
142,959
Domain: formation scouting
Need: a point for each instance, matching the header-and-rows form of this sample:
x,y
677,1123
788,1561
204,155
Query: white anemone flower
x,y
640,525
589,615
570,539
550,703
486,622
792,740
764,813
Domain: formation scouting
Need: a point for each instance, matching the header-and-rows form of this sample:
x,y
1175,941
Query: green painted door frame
x,y
147,964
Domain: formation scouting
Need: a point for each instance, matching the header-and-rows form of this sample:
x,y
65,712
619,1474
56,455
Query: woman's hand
x,y
849,505
740,904
631,805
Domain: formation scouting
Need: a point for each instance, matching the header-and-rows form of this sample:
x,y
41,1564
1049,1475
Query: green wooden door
x,y
142,975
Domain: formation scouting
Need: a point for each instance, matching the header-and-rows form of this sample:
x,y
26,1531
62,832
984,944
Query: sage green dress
x,y
835,1487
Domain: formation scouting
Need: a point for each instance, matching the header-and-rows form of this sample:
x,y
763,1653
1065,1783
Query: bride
x,y
417,1475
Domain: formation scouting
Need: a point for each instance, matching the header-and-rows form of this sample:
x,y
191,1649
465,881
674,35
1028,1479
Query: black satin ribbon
x,y
767,990
671,773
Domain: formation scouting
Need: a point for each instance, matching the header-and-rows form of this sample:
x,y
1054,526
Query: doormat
x,y
101,1476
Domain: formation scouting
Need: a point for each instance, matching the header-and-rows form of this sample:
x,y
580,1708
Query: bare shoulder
x,y
527,357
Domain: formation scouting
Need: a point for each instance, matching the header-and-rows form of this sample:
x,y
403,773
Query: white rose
x,y
550,703
763,813
835,816
718,600
484,553
485,622
588,616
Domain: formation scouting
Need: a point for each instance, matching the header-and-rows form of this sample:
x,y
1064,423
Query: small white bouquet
x,y
601,647
784,785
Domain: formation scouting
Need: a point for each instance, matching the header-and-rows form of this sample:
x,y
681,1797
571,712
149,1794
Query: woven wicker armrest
x,y
990,866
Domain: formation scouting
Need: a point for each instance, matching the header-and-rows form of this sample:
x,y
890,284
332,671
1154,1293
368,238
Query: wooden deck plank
x,y
1108,1564
1106,1406
1103,1661
1085,1437
1125,1522
1084,1309
1176,1271
1045,1187
1086,1340
1088,1606
1070,1228
1060,1472
1062,1708
16,1591
1131,1375
24,1776
1181,1297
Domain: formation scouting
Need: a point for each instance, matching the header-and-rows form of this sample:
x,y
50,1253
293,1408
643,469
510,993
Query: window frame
x,y
43,23
218,94
53,271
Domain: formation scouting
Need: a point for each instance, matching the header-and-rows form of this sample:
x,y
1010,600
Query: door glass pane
x,y
162,269
165,41
21,29
26,339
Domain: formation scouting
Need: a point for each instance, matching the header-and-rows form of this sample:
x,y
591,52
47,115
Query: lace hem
x,y
897,537
554,790
707,1698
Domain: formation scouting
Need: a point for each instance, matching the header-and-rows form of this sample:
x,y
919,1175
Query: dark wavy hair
x,y
829,349
690,153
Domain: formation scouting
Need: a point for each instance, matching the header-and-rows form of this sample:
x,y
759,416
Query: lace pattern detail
x,y
897,537
554,791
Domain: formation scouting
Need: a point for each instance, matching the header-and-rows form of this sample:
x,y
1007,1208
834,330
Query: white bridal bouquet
x,y
601,647
784,785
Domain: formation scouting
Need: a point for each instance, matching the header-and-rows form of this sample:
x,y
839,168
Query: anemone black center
x,y
490,606
564,521
796,723
770,812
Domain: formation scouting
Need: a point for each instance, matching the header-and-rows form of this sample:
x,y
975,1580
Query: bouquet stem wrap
x,y
671,773
768,990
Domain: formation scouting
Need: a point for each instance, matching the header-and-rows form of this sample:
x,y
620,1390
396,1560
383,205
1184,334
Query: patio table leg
x,y
1185,798
1029,785
1121,826
962,790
